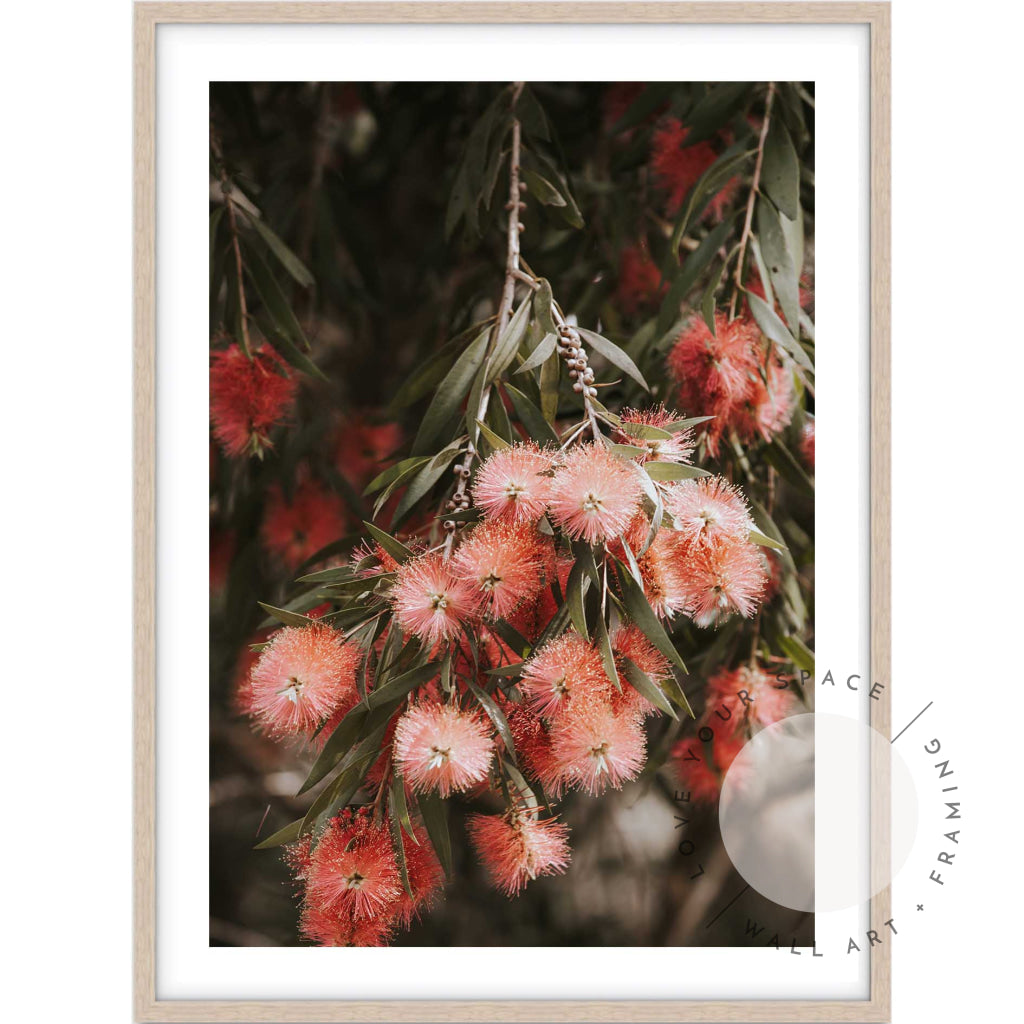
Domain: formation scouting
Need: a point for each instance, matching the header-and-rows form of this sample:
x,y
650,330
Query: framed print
x,y
506,650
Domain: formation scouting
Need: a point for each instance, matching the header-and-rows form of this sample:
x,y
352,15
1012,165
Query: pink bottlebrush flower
x,y
377,560
533,745
677,448
430,602
564,673
723,579
248,398
661,571
630,642
709,510
241,680
768,407
439,747
353,869
640,281
517,847
677,167
331,927
295,529
365,448
807,442
513,484
504,565
597,748
304,676
701,767
595,495
750,694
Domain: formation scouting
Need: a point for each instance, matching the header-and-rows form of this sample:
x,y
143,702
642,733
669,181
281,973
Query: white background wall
x,y
65,218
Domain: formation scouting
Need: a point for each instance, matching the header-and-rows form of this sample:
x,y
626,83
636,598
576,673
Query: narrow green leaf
x,y
544,350
765,541
780,170
285,256
508,342
783,272
435,819
541,189
543,303
395,548
395,689
532,418
269,291
495,714
798,652
673,471
713,110
575,588
285,616
338,745
615,356
393,472
775,330
424,480
646,687
288,834
607,654
395,828
496,442
642,614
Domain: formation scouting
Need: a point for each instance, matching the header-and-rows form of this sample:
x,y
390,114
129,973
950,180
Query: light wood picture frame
x,y
148,17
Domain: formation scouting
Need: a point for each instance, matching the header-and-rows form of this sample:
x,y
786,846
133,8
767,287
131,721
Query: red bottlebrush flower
x,y
750,694
677,448
365,448
430,602
768,407
503,563
248,398
241,687
329,927
807,442
567,672
597,748
425,876
513,484
302,678
709,510
533,745
293,531
353,869
442,748
517,847
641,283
701,767
723,579
677,167
661,571
595,494
630,642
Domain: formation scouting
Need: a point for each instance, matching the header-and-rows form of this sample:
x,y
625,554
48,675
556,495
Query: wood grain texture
x,y
147,1007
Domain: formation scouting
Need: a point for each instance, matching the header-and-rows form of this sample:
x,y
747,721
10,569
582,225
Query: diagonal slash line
x,y
727,906
911,722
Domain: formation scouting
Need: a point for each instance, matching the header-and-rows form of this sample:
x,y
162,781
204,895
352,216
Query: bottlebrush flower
x,y
677,167
749,693
533,745
424,873
377,560
722,579
353,869
677,448
329,927
768,407
594,495
640,281
296,529
442,748
503,564
597,748
565,672
630,642
517,847
661,570
709,510
248,398
430,602
807,442
513,484
302,678
365,448
701,767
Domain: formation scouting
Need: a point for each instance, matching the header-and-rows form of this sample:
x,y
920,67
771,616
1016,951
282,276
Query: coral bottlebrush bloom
x,y
331,927
749,693
709,510
807,442
353,869
701,767
440,747
533,745
513,484
723,579
372,560
597,748
768,407
504,565
430,602
294,529
248,398
677,167
517,847
640,281
303,677
677,448
595,494
661,570
566,672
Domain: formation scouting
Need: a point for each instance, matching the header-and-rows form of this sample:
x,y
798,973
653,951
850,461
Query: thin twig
x,y
754,184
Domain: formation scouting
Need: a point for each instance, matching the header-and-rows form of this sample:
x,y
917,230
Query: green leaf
x,y
543,302
338,745
496,442
495,714
541,189
779,261
395,548
397,688
531,114
643,615
550,379
508,342
394,472
269,291
713,110
787,465
424,480
532,418
544,350
435,819
707,300
285,256
798,652
607,655
575,588
780,170
511,636
288,351
396,837
765,541
615,356
673,471
285,616
288,834
450,393
775,330
707,185
646,687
